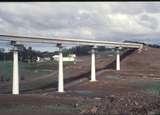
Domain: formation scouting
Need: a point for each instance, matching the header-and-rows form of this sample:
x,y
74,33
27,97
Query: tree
x,y
29,54
101,48
2,50
22,53
2,54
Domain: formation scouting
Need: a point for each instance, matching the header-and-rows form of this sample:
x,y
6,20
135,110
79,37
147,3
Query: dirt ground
x,y
107,96
135,90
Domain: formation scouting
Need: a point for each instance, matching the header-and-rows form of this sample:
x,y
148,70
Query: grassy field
x,y
149,86
32,70
27,70
5,70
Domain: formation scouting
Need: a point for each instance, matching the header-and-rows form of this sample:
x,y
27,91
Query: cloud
x,y
149,22
115,21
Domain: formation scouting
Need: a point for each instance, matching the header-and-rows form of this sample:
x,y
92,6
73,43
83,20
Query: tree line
x,y
29,55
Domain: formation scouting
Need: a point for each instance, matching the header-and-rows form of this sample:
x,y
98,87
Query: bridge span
x,y
59,41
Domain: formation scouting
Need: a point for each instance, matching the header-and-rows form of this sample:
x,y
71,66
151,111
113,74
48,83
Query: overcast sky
x,y
114,21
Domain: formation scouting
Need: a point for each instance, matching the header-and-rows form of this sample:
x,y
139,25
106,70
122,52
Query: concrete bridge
x,y
59,41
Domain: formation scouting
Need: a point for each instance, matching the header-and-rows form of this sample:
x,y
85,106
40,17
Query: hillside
x,y
147,62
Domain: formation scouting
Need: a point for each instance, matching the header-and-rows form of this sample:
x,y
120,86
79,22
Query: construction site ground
x,y
134,90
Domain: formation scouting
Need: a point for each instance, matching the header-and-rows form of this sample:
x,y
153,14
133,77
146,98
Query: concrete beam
x,y
66,40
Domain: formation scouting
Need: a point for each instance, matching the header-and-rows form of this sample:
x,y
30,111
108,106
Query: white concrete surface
x,y
60,74
93,68
15,87
118,60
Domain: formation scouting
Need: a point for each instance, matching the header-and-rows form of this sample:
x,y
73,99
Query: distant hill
x,y
150,45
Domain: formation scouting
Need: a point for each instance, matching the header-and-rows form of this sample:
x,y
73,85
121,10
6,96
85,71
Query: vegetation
x,y
28,70
29,55
151,45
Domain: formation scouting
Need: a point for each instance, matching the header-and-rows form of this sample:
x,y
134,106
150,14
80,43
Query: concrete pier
x,y
15,87
93,67
60,70
118,59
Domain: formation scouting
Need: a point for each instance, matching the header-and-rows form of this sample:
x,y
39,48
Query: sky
x,y
112,21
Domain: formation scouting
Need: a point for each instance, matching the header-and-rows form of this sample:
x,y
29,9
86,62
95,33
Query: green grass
x,y
6,69
151,87
27,70
115,78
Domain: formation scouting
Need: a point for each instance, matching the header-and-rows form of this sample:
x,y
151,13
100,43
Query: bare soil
x,y
126,92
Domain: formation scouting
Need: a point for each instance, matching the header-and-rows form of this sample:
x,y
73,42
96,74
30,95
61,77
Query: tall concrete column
x,y
118,60
15,87
60,71
93,68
